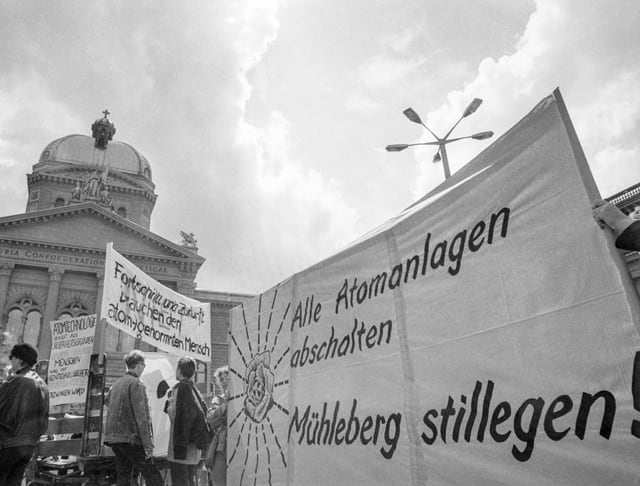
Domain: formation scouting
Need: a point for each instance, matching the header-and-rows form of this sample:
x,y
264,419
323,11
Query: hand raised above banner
x,y
607,214
625,228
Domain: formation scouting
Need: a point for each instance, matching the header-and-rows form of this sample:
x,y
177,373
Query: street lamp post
x,y
441,142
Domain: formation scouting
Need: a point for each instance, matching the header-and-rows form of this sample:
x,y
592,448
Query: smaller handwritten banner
x,y
135,303
70,356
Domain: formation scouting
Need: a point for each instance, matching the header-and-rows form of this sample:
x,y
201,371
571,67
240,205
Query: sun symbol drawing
x,y
258,414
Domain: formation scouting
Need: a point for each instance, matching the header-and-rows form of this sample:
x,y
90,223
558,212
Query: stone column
x,y
5,275
98,341
55,276
100,280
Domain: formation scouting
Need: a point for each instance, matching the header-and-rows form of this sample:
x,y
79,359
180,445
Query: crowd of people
x,y
197,433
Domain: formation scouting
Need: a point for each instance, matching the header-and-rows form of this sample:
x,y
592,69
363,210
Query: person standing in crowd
x,y
189,432
216,460
24,414
626,229
128,428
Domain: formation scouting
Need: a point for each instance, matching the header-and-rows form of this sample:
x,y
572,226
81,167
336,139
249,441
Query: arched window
x,y
59,202
122,212
76,309
24,322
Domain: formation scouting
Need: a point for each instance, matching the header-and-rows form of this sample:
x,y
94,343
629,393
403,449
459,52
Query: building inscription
x,y
43,256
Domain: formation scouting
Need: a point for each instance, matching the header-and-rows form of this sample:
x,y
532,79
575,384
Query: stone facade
x,y
82,195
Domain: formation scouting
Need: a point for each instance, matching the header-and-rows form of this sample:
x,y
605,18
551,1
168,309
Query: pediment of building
x,y
86,229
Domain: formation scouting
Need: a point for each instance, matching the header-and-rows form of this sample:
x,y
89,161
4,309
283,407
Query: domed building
x,y
83,192
79,168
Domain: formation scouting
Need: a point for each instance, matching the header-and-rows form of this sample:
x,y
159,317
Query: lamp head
x,y
412,115
396,147
436,157
473,106
482,135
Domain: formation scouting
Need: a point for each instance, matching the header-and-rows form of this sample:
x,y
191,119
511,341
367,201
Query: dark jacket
x,y
629,239
128,417
24,409
189,424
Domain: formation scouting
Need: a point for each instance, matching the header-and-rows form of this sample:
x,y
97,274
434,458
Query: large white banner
x,y
71,348
483,336
142,307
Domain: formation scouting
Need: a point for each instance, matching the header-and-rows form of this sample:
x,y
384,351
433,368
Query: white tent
x,y
486,335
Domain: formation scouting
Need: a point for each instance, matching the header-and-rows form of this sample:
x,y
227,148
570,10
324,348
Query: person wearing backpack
x,y
189,432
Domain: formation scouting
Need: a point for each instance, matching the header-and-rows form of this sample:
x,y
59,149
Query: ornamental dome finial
x,y
103,130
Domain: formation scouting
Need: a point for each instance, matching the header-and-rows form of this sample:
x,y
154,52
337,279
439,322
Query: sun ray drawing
x,y
259,368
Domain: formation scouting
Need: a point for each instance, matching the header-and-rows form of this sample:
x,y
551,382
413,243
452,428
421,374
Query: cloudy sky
x,y
265,121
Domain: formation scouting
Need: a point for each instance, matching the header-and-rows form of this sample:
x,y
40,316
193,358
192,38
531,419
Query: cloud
x,y
358,102
566,44
614,112
384,71
27,108
401,41
260,189
299,216
176,80
173,77
611,166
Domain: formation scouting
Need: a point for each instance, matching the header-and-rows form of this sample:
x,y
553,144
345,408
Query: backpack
x,y
170,406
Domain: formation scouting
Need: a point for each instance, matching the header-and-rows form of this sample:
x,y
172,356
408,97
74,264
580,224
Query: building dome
x,y
93,169
81,150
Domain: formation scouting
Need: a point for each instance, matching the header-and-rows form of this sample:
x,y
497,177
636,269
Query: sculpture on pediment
x,y
92,185
105,199
76,193
189,240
